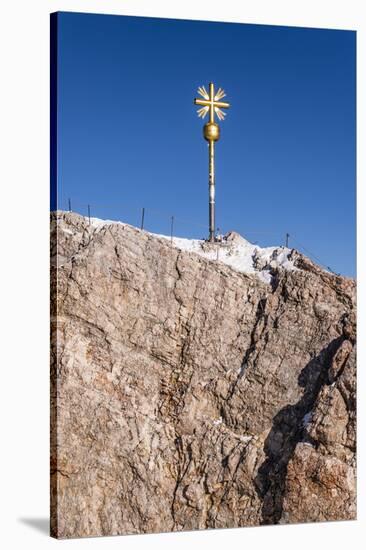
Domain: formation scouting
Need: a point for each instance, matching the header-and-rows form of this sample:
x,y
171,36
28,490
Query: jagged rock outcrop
x,y
188,395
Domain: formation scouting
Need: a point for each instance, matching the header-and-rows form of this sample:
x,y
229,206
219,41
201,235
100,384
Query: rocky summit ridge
x,y
190,391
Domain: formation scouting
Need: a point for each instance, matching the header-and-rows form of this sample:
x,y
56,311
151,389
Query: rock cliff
x,y
186,394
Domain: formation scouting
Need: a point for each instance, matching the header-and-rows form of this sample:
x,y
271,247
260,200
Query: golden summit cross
x,y
211,103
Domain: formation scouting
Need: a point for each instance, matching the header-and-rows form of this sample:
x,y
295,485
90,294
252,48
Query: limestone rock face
x,y
188,395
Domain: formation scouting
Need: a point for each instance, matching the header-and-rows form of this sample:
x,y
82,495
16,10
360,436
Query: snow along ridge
x,y
240,254
232,250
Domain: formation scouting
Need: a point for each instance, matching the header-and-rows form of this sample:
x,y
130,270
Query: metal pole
x,y
142,218
210,102
171,229
69,205
89,213
287,236
211,184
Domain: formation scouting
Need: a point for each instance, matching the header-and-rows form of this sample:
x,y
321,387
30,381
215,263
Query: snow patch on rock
x,y
235,251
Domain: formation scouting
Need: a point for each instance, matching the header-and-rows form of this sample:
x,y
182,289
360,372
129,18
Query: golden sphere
x,y
211,131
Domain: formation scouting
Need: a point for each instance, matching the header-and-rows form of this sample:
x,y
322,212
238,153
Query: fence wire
x,y
144,217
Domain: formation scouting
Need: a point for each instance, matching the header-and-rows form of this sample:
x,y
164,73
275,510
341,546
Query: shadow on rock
x,y
289,427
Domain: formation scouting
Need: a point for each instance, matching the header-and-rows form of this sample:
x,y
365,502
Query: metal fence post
x,y
171,229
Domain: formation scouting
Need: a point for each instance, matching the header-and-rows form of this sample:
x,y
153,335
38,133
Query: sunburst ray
x,y
203,111
220,114
203,92
219,94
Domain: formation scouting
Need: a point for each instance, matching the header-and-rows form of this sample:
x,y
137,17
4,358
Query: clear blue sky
x,y
129,135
